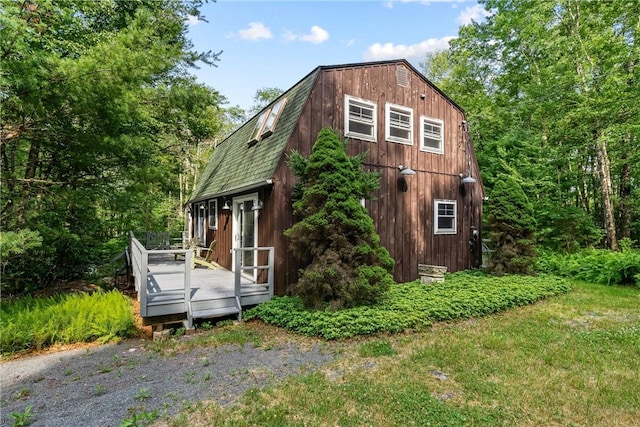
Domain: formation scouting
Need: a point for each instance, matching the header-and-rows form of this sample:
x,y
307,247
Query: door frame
x,y
236,238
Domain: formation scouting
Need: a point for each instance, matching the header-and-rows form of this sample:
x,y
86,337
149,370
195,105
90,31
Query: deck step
x,y
214,312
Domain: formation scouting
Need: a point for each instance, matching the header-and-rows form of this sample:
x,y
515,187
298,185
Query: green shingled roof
x,y
235,165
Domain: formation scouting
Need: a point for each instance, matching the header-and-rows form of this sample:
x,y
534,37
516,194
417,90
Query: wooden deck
x,y
175,286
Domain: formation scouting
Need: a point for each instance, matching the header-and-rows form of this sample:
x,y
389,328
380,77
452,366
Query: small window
x,y
444,217
431,135
360,119
257,131
213,214
274,115
399,124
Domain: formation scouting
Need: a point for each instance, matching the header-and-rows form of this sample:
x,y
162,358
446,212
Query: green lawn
x,y
572,359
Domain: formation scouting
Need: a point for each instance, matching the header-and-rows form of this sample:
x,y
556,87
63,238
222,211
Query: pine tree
x,y
512,226
348,266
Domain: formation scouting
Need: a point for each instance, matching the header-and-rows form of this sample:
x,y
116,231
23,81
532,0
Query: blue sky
x,y
274,43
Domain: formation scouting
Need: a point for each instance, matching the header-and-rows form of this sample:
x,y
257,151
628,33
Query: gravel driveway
x,y
102,386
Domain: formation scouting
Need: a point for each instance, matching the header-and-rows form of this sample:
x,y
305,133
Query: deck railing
x,y
254,269
140,271
143,280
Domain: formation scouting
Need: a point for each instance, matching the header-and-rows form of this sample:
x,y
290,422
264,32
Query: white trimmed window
x,y
360,119
399,122
431,135
213,214
444,216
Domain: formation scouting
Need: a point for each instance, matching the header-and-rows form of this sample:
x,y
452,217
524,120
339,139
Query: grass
x,y
30,323
569,360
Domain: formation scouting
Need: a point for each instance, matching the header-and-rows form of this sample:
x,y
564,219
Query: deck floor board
x,y
167,274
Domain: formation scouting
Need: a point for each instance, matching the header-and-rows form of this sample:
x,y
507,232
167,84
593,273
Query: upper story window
x,y
444,216
431,135
399,124
273,117
213,214
360,118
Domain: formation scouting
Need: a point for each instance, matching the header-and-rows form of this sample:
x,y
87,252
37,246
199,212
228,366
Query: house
x,y
428,209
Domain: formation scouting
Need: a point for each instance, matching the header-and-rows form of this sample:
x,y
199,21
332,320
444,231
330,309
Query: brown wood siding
x,y
403,207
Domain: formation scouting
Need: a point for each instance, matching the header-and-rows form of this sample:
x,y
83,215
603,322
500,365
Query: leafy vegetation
x,y
344,263
568,360
511,226
31,323
537,80
413,305
100,119
595,265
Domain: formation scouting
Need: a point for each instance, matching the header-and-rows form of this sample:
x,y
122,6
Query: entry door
x,y
200,214
245,229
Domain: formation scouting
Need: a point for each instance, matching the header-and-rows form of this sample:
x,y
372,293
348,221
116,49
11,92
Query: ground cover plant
x,y
413,305
568,360
595,265
32,323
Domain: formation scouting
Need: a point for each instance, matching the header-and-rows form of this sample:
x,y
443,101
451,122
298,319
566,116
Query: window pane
x,y
445,223
362,128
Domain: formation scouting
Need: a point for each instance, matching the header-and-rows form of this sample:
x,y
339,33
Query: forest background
x,y
104,129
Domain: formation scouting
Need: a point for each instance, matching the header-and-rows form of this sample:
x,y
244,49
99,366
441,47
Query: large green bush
x,y
511,225
347,266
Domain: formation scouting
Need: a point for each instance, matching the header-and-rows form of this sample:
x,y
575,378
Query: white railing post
x,y
144,261
271,272
238,271
187,287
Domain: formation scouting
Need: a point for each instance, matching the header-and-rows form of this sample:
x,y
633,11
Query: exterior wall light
x,y
467,179
406,170
257,205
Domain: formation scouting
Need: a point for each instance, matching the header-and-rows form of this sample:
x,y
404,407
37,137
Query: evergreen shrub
x,y
345,264
511,225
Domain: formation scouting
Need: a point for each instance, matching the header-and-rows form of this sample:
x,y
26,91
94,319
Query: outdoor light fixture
x,y
226,206
467,179
406,170
202,207
257,205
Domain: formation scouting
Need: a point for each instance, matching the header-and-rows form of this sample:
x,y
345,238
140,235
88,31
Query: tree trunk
x,y
606,187
624,214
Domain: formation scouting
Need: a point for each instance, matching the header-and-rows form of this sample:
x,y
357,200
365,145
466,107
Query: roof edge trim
x,y
253,186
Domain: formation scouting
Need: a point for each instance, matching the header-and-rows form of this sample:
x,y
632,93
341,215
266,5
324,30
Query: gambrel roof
x,y
235,166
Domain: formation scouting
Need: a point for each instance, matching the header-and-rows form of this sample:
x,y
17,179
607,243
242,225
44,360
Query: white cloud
x,y
317,35
192,20
379,51
475,13
256,31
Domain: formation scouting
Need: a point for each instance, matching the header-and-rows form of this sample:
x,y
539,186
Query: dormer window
x,y
273,117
